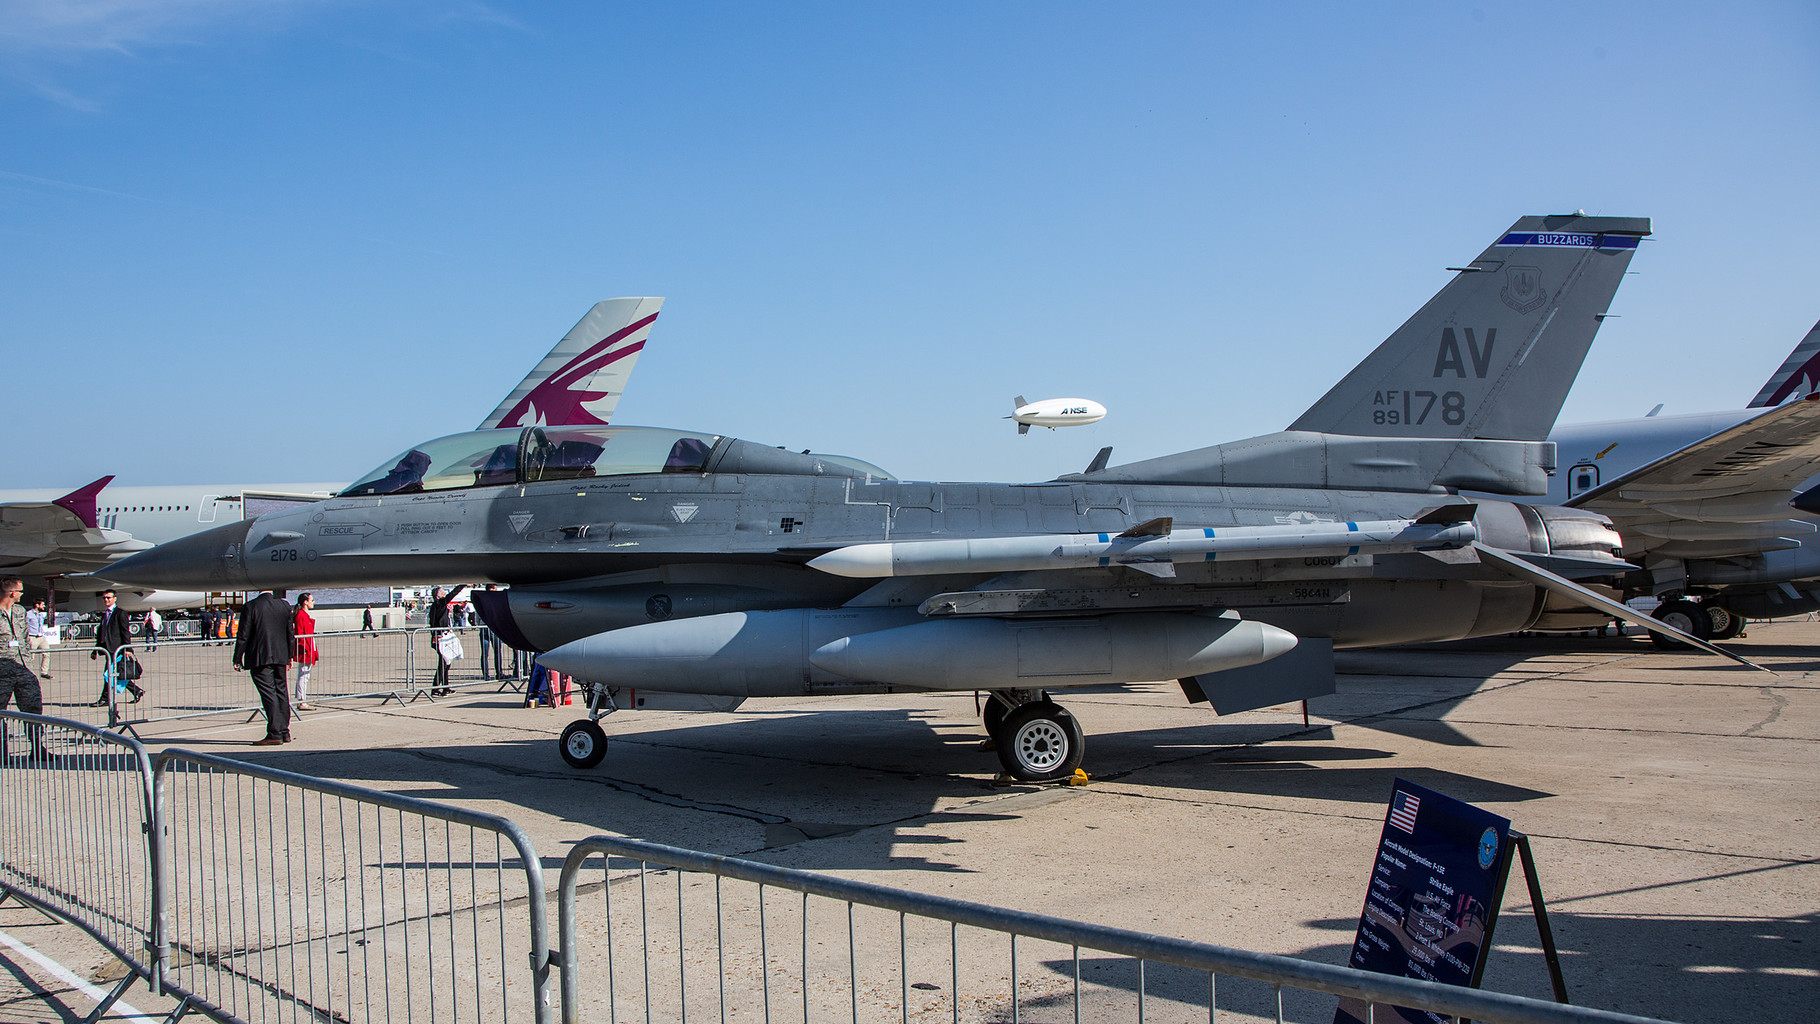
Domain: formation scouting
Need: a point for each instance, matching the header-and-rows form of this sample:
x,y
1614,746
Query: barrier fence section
x,y
292,898
196,677
77,806
676,934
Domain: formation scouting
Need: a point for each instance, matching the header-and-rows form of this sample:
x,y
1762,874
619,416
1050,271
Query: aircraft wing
x,y
1727,494
58,537
580,381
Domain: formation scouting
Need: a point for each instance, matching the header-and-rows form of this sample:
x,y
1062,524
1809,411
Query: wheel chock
x,y
1079,778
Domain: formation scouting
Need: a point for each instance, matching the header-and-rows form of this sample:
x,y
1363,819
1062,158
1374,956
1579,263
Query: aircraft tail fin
x,y
1798,376
580,381
1494,353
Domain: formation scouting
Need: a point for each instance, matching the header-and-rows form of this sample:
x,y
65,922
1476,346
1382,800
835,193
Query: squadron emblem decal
x,y
1523,289
519,520
684,512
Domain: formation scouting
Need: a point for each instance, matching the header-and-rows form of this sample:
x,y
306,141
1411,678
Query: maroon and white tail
x,y
580,381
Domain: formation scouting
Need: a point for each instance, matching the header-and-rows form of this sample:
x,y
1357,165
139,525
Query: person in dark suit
x,y
264,645
110,636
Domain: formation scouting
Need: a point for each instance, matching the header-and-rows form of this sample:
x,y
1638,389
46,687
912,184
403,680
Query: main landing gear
x,y
1037,739
1704,620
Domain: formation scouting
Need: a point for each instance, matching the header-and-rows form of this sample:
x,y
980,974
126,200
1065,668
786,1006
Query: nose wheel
x,y
583,743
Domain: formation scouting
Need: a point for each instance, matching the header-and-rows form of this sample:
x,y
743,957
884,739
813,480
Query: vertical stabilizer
x,y
1797,377
1494,353
580,381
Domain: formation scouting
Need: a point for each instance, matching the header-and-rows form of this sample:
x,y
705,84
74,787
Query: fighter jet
x,y
1055,412
687,562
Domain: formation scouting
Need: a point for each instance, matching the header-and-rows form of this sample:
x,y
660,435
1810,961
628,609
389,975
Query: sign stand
x,y
1549,952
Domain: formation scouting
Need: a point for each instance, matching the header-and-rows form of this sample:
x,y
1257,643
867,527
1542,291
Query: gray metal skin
x,y
1460,396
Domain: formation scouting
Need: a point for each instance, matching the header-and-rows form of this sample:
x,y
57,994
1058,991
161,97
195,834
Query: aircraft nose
x,y
211,560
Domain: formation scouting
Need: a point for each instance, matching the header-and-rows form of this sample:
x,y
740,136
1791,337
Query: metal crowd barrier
x,y
293,898
195,677
665,948
75,841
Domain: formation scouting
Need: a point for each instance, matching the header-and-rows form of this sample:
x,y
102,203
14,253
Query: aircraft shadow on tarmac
x,y
873,779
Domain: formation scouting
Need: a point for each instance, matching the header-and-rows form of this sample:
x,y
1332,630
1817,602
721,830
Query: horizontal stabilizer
x,y
1306,671
1528,572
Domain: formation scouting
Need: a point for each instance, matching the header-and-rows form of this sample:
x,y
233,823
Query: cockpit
x,y
492,458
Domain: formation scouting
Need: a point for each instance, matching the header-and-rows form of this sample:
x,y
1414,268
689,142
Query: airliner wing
x,y
580,381
48,538
1725,494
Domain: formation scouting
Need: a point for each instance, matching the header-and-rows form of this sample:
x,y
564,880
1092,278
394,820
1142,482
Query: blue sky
x,y
280,240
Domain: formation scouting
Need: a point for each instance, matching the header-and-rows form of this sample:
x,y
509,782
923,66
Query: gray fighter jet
x,y
691,563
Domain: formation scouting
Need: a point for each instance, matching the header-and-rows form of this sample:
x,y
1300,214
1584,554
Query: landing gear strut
x,y
584,742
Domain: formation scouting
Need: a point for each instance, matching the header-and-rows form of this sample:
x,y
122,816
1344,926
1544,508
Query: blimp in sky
x,y
1055,412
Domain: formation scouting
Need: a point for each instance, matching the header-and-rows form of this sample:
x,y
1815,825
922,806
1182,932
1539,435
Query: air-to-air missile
x,y
693,563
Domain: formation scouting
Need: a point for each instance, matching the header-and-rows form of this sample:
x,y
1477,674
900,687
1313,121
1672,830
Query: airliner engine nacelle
x,y
1055,412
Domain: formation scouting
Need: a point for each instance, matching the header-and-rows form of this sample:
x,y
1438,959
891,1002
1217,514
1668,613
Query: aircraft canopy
x,y
528,455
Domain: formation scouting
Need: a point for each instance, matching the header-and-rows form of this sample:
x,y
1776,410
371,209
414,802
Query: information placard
x,y
1435,890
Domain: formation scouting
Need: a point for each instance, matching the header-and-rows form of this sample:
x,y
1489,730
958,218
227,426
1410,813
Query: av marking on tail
x,y
1448,355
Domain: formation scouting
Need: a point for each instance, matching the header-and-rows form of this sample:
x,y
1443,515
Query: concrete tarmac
x,y
1673,801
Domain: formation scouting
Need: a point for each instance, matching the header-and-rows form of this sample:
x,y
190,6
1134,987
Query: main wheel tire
x,y
1685,616
1040,742
583,743
992,716
1727,624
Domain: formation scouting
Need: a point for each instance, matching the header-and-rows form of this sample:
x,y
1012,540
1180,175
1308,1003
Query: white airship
x,y
1055,412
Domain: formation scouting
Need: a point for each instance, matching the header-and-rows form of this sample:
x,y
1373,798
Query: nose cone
x,y
207,561
1276,641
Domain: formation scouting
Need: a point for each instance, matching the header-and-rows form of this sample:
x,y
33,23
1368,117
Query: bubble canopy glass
x,y
488,458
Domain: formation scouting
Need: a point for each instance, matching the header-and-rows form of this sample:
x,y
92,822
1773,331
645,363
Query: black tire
x,y
1040,742
992,716
583,744
1686,616
1727,624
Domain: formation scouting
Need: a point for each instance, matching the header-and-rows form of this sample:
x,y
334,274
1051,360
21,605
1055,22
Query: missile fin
x,y
1158,527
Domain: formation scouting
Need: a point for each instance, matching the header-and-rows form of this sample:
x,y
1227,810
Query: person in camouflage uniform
x,y
16,679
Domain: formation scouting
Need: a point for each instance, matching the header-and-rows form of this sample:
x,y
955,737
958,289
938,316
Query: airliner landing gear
x,y
1727,624
1686,616
1040,741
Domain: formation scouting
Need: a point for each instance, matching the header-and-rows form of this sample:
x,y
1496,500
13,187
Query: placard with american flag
x,y
1403,811
1432,900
